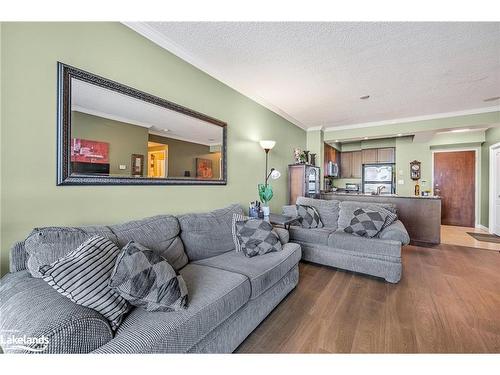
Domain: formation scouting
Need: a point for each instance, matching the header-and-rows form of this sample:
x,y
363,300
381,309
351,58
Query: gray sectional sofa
x,y
379,256
229,294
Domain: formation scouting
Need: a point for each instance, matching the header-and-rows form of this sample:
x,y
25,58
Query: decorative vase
x,y
296,155
306,156
265,210
313,159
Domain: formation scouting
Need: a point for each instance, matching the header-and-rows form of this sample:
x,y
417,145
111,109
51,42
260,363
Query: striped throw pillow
x,y
83,276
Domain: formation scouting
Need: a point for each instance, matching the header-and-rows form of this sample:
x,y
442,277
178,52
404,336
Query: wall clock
x,y
415,170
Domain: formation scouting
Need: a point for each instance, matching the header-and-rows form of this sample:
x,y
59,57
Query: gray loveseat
x,y
331,246
229,294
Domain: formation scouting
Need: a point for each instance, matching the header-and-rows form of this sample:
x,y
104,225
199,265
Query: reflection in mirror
x,y
117,135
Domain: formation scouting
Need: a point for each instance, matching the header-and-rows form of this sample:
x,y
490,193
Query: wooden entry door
x,y
454,181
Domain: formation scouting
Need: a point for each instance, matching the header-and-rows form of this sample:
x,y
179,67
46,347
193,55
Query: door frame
x,y
477,178
491,190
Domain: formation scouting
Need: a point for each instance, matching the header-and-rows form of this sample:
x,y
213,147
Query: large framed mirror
x,y
112,134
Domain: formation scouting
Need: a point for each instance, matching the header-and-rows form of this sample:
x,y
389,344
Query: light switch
x,y
401,182
123,166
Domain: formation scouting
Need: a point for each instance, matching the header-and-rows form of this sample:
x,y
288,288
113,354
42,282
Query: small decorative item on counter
x,y
296,155
312,159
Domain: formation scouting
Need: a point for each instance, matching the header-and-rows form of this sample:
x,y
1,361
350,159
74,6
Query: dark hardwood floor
x,y
448,301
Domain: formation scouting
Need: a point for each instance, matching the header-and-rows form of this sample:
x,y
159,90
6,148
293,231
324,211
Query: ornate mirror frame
x,y
64,177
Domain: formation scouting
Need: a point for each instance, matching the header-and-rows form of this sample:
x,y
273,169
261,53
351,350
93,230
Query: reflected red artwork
x,y
85,151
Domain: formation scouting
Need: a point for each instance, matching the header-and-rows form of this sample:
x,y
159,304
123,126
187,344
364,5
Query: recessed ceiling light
x,y
400,135
461,130
492,99
366,138
336,140
364,97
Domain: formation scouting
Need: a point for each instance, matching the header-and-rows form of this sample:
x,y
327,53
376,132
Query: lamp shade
x,y
275,174
267,144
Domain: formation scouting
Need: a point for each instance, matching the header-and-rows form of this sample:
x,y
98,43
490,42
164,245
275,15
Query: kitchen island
x,y
420,215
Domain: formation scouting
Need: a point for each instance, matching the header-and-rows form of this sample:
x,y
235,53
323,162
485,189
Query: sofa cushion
x,y
369,246
328,210
83,276
158,233
214,295
368,223
46,245
256,237
309,216
208,234
31,308
315,235
145,279
263,271
347,209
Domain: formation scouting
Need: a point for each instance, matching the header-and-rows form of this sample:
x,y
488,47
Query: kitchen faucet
x,y
379,189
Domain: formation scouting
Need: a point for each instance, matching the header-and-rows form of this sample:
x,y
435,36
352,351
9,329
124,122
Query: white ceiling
x,y
98,101
314,73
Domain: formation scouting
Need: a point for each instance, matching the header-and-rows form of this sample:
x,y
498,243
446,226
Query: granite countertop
x,y
381,195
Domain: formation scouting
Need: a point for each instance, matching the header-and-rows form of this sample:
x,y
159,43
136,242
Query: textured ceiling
x,y
314,73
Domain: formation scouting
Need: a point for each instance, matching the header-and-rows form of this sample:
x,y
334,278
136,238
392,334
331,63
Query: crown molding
x,y
150,33
314,128
415,118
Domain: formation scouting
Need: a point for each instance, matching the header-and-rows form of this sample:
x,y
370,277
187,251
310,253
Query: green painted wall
x,y
182,156
30,196
492,137
124,139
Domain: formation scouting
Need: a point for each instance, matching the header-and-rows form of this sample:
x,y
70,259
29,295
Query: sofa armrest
x,y
31,307
396,232
18,257
283,235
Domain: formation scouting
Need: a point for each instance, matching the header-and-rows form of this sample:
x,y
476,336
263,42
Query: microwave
x,y
332,169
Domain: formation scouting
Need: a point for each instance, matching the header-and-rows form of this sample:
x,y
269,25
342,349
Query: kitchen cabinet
x,y
378,155
330,154
356,164
370,155
386,155
350,164
345,165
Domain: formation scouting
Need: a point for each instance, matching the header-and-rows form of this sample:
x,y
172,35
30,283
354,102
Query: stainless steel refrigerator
x,y
379,176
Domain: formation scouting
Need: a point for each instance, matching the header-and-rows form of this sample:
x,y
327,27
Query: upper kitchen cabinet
x,y
350,164
369,156
331,154
378,155
386,155
356,164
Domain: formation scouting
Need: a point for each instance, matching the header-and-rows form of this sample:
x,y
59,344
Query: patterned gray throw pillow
x,y
256,237
83,276
309,216
369,223
146,279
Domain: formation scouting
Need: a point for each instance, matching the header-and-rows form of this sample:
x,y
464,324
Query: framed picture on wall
x,y
137,165
204,168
